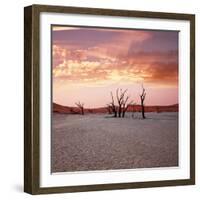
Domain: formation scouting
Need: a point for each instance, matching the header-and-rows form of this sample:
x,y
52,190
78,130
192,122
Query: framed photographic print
x,y
109,99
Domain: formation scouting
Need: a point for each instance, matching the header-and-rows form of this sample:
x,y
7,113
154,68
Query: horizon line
x,y
105,106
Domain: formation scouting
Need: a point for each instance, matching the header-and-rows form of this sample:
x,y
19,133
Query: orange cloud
x,y
118,59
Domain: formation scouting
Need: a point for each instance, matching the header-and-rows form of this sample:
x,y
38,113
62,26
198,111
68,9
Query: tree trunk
x,y
119,112
143,115
142,97
82,111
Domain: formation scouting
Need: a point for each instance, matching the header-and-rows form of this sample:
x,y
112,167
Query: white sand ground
x,y
98,142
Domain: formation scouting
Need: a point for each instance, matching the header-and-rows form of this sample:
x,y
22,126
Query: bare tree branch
x,y
113,106
122,102
80,106
125,105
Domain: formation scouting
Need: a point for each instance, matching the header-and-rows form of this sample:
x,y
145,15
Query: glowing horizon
x,y
88,63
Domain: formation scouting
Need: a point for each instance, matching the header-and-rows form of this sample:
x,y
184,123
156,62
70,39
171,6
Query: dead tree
x,y
113,106
81,107
125,105
142,98
122,106
120,100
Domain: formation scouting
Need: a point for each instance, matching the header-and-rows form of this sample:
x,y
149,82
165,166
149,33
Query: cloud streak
x,y
97,65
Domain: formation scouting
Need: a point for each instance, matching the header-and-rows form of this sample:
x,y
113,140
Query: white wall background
x,y
11,100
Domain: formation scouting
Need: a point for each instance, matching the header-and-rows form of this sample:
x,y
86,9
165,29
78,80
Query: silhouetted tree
x,y
142,98
120,100
113,106
81,107
125,105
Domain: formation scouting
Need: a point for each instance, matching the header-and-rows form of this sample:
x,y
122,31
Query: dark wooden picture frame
x,y
32,98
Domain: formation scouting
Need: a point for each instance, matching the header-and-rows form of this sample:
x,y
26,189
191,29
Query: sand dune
x,y
133,108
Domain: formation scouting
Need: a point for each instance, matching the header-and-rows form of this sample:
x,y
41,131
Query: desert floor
x,y
99,142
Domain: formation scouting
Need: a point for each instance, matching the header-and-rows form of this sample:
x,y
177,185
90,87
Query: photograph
x,y
109,99
115,98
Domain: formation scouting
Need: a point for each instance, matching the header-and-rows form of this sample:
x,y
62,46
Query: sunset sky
x,y
88,63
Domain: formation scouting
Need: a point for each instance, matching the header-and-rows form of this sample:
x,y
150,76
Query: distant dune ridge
x,y
132,108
